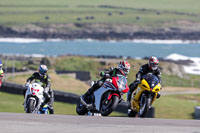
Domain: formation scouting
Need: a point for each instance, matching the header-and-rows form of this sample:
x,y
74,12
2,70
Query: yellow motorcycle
x,y
144,96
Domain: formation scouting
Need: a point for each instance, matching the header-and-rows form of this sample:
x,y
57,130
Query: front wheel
x,y
108,106
145,104
30,106
80,108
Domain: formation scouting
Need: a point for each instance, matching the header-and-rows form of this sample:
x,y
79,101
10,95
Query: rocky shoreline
x,y
45,33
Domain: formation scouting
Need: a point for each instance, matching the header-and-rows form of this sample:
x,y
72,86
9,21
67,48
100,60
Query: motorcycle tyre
x,y
30,106
113,106
146,109
81,110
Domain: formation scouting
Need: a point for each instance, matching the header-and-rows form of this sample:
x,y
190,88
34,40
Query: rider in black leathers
x,y
123,68
151,67
44,78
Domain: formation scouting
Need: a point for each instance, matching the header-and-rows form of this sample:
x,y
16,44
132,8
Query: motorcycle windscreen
x,y
121,83
151,79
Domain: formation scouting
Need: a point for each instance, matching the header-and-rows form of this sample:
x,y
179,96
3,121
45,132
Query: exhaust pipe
x,y
88,106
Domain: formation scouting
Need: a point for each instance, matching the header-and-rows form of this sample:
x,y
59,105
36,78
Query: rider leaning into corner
x,y
123,69
1,73
150,67
44,78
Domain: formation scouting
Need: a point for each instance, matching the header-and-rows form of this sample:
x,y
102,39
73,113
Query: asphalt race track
x,y
33,123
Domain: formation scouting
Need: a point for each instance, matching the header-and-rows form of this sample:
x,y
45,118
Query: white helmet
x,y
124,66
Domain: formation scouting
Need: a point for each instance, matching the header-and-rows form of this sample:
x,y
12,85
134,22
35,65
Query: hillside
x,y
104,20
172,74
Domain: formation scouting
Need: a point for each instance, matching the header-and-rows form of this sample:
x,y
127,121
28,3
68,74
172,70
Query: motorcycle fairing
x,y
113,94
99,93
35,94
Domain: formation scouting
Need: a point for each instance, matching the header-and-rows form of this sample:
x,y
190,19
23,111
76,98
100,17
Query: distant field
x,y
154,12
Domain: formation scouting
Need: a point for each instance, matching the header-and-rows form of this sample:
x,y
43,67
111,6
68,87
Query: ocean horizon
x,y
166,49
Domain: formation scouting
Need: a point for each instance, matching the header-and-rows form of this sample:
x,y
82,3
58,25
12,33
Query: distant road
x,y
30,123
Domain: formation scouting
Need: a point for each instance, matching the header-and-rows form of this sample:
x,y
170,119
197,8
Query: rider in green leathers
x,y
123,69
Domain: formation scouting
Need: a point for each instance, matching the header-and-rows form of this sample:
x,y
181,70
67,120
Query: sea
x,y
169,49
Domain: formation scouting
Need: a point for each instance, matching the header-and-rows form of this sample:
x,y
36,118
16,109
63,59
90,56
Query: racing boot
x,y
50,107
47,99
41,107
132,87
129,101
51,110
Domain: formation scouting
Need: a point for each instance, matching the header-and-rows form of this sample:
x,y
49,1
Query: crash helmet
x,y
153,62
42,70
124,67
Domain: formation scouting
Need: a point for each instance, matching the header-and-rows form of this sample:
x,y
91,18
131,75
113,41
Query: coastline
x,y
147,41
96,34
191,65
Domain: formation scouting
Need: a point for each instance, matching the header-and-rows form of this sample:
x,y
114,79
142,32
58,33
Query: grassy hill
x,y
59,82
95,66
118,15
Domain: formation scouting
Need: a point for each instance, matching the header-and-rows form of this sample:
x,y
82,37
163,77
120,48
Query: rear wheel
x,y
145,104
107,106
80,108
30,106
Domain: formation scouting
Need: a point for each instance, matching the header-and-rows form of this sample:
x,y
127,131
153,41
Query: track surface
x,y
32,123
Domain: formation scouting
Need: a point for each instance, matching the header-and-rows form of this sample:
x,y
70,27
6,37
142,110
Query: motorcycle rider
x,y
1,73
123,69
44,78
150,67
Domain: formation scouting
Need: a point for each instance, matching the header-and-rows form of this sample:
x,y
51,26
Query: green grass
x,y
17,64
171,80
13,103
180,5
165,107
176,106
20,12
79,64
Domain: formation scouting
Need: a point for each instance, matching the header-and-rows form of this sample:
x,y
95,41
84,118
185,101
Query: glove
x,y
102,74
107,75
27,84
137,81
111,68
